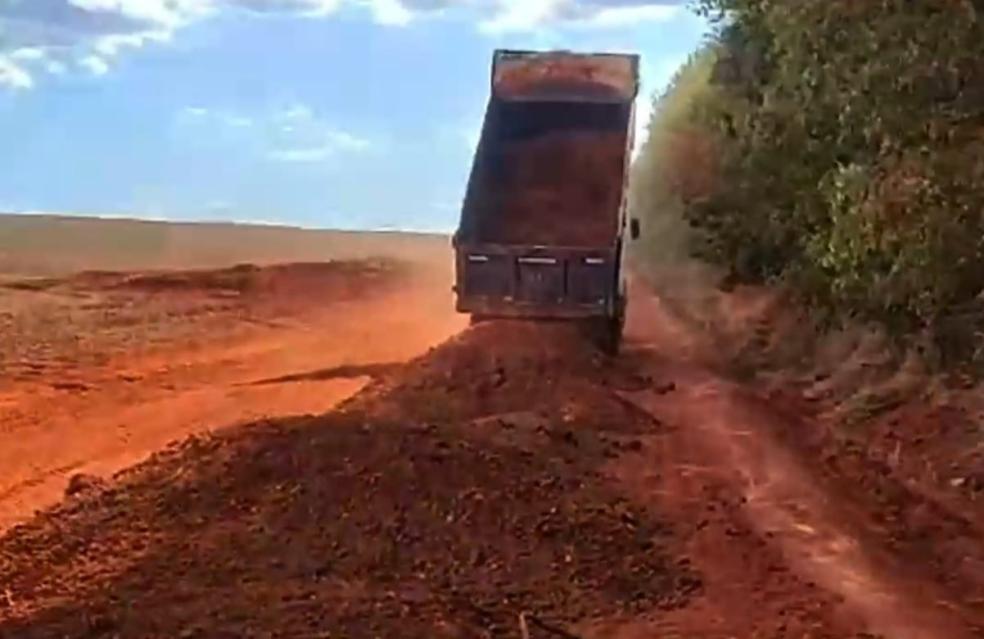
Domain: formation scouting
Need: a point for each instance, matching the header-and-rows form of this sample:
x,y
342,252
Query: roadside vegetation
x,y
835,149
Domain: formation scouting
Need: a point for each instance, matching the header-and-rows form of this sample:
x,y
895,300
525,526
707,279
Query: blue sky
x,y
320,113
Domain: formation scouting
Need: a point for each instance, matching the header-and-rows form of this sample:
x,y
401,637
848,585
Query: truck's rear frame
x,y
537,282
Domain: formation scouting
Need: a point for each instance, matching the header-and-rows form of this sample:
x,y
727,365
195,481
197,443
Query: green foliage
x,y
850,156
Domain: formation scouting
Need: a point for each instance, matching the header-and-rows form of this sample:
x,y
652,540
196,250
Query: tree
x,y
847,155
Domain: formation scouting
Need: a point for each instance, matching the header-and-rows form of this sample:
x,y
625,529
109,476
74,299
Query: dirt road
x,y
841,532
511,481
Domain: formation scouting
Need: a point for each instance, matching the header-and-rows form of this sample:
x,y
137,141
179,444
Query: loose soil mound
x,y
437,504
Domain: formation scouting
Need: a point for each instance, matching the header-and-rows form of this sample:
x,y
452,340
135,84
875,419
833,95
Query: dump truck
x,y
544,223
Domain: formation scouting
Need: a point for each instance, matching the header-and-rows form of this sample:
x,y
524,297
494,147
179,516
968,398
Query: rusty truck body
x,y
544,223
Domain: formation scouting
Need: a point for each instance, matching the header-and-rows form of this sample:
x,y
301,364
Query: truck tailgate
x,y
545,283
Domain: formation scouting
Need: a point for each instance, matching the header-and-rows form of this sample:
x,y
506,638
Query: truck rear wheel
x,y
613,338
606,333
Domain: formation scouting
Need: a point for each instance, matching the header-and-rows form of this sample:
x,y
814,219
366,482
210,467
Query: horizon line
x,y
269,224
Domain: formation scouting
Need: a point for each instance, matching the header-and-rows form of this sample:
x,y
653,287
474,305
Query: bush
x,y
848,157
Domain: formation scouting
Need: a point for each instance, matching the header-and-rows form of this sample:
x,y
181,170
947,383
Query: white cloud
x,y
334,143
87,32
216,117
533,15
324,7
296,112
91,33
110,45
94,65
347,142
303,156
521,15
54,67
310,8
28,54
168,14
18,68
621,16
297,124
13,76
238,121
390,12
294,134
299,135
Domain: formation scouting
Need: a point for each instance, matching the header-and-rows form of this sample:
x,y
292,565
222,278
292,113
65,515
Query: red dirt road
x,y
823,529
512,479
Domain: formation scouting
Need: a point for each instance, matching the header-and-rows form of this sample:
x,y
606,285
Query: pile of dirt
x,y
446,501
561,188
505,366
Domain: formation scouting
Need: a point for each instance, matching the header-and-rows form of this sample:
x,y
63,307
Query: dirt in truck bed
x,y
558,189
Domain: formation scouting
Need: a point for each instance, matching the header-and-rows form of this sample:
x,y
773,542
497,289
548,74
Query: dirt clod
x,y
81,484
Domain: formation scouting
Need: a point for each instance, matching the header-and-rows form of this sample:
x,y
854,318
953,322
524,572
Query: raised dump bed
x,y
541,232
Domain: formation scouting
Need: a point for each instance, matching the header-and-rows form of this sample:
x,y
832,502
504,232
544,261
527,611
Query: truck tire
x,y
606,333
616,326
613,334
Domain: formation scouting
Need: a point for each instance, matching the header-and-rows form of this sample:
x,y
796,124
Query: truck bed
x,y
561,188
541,231
548,174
